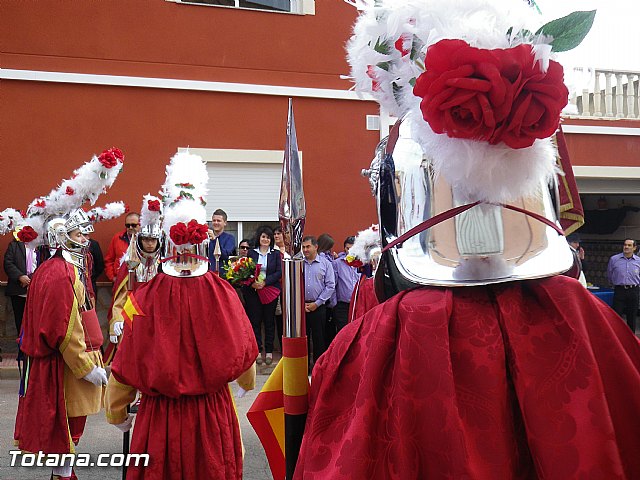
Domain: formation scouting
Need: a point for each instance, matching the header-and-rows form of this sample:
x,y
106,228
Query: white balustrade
x,y
620,101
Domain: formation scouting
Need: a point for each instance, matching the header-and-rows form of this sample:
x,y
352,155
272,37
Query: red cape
x,y
41,421
535,379
191,339
363,298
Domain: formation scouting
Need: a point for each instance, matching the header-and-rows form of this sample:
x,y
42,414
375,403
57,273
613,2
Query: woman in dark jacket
x,y
258,312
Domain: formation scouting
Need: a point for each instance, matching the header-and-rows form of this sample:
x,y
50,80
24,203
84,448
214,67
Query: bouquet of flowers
x,y
242,271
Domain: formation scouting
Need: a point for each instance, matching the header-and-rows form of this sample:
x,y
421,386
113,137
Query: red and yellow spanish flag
x,y
286,391
130,309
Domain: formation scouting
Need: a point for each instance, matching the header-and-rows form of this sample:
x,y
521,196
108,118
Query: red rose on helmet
x,y
538,101
108,158
117,153
498,95
27,234
179,234
197,232
154,205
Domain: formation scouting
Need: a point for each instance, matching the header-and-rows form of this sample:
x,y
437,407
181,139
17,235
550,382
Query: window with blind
x,y
246,191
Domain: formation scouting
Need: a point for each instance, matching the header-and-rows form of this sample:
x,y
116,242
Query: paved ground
x,y
101,437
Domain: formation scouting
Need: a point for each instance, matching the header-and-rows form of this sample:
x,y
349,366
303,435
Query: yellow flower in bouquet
x,y
243,271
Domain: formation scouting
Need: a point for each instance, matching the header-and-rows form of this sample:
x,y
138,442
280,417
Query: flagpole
x,y
292,215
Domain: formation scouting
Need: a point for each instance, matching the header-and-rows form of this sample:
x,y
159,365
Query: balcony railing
x,y
618,99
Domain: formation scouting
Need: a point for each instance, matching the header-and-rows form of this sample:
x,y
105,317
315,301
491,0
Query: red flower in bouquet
x,y
153,205
243,271
197,232
110,158
70,191
498,95
27,234
179,233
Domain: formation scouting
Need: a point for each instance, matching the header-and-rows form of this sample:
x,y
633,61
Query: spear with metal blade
x,y
279,412
292,214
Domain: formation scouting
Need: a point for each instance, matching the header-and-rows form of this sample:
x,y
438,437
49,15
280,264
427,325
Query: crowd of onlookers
x,y
329,284
329,280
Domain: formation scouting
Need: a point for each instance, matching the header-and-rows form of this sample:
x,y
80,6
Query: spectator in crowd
x,y
119,244
578,254
623,271
226,241
325,246
278,235
243,251
244,247
260,310
319,285
96,264
346,279
19,265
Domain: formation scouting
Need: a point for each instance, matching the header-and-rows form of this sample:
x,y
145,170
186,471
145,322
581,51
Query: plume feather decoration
x,y
183,193
151,211
9,220
387,53
108,212
86,184
367,243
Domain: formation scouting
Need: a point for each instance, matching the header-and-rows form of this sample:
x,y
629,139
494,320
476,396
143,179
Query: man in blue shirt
x,y
319,285
346,279
226,240
624,274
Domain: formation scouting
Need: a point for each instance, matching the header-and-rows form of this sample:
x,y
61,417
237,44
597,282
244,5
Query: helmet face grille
x,y
185,261
485,244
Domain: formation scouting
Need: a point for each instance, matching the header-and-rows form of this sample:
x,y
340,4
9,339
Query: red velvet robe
x,y
363,298
525,380
41,420
191,338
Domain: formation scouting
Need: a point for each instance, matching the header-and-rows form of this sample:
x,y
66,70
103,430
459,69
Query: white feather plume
x,y
87,183
149,217
109,211
379,49
366,243
9,220
184,191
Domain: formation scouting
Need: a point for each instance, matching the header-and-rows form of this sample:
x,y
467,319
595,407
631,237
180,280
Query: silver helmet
x,y
58,236
146,263
185,261
484,244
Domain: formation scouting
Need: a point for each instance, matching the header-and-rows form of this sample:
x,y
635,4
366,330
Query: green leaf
x,y
382,47
416,47
383,65
569,31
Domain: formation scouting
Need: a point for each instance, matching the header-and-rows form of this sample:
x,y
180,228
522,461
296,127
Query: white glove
x,y
126,425
113,338
97,376
118,327
241,392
